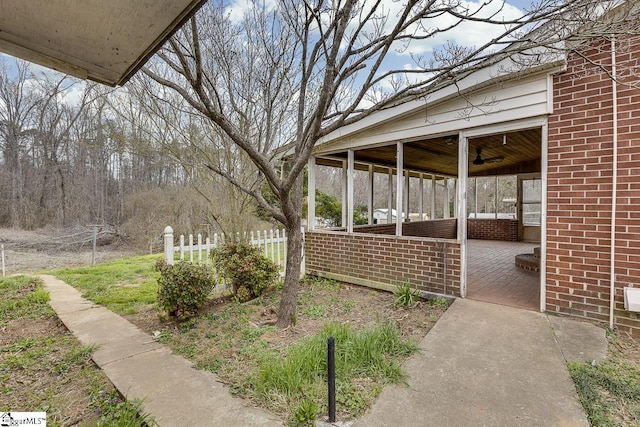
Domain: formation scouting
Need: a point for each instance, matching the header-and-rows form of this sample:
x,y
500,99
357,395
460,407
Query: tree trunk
x,y
289,300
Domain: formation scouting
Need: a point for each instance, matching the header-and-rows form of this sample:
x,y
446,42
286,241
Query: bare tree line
x,y
65,157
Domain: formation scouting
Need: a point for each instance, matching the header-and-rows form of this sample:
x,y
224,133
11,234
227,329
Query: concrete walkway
x,y
171,391
484,364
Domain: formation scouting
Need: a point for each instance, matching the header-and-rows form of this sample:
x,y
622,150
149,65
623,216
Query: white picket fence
x,y
193,249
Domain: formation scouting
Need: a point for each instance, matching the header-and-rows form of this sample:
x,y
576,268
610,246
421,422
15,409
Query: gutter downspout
x,y
614,191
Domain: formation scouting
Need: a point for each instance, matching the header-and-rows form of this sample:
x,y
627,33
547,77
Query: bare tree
x,y
191,141
295,71
17,113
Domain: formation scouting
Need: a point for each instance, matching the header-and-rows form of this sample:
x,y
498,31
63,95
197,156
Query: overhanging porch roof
x,y
104,41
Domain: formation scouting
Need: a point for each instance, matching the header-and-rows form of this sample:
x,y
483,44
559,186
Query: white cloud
x,y
238,8
72,96
468,33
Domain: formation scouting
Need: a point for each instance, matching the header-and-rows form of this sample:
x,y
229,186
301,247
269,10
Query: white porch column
x,y
344,193
311,196
399,186
543,218
406,195
370,195
421,198
390,199
350,174
433,197
463,173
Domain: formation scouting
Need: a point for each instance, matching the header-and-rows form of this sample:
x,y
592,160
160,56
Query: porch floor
x,y
493,277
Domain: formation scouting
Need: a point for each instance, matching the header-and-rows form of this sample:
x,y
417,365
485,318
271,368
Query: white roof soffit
x,y
104,41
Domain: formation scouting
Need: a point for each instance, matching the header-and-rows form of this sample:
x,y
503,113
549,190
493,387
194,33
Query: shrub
x,y
243,294
183,288
245,266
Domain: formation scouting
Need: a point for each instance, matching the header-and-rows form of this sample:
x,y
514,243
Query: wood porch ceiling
x,y
439,156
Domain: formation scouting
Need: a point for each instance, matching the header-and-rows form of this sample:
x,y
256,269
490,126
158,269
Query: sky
x,y
467,34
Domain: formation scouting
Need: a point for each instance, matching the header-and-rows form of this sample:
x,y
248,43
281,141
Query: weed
x,y
348,306
117,412
211,364
438,302
305,414
23,297
405,295
315,311
252,333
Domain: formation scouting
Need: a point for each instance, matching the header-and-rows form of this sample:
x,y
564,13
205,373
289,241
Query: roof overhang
x,y
103,41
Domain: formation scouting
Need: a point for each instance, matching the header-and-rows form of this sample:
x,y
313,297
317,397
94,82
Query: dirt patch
x,y
46,376
343,303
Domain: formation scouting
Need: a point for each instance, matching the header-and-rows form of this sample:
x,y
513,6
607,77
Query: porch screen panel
x,y
531,201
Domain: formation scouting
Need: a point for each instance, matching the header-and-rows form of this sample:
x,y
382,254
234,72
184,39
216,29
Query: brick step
x,y
536,252
528,262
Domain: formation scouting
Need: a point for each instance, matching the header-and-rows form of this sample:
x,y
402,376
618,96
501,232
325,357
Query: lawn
x,y
609,390
283,371
122,285
43,368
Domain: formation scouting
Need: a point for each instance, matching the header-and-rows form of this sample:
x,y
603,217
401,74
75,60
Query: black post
x,y
331,367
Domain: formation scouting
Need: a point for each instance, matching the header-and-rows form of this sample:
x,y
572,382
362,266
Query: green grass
x,y
122,285
44,368
22,297
610,390
366,360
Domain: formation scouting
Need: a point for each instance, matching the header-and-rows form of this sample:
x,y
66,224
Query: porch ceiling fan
x,y
480,161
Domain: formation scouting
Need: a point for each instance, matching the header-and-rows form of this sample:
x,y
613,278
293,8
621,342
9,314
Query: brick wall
x,y
379,261
436,229
580,163
493,229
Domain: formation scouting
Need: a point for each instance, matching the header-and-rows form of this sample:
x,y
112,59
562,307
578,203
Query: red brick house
x,y
565,128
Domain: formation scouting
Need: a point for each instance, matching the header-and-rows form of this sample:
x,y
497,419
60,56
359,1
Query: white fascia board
x,y
508,120
477,79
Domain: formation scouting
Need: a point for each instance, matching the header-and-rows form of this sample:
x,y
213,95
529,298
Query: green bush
x,y
183,288
245,266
